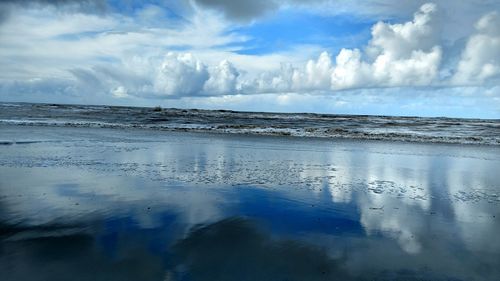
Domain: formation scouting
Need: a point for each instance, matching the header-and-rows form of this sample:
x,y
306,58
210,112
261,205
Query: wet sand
x,y
106,204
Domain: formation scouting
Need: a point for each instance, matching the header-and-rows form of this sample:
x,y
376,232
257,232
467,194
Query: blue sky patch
x,y
290,28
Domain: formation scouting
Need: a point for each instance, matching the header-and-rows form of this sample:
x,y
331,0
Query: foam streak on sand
x,y
414,129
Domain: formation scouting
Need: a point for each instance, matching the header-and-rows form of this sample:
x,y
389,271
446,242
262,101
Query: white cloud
x,y
32,40
397,55
175,75
316,74
400,58
406,54
400,40
119,92
181,74
223,79
350,71
420,69
480,59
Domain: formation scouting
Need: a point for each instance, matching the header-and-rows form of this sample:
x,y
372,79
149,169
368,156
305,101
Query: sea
x,y
365,127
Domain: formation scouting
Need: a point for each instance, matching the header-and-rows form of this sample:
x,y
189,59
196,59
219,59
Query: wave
x,y
377,133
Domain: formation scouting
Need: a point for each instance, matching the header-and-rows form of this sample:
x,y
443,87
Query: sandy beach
x,y
114,204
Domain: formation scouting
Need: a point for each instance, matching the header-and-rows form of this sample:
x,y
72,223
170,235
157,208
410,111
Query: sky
x,y
385,57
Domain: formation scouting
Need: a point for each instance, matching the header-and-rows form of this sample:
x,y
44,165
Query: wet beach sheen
x,y
134,204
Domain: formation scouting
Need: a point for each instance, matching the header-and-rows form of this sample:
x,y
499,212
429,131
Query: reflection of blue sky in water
x,y
378,207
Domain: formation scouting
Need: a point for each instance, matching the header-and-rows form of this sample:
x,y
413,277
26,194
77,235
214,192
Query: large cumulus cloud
x,y
398,55
480,60
181,74
172,76
223,79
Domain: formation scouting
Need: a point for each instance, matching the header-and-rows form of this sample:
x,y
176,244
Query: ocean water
x,y
92,203
415,129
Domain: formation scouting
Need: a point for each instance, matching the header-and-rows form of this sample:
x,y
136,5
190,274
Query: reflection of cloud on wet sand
x,y
82,196
404,225
389,193
235,249
476,206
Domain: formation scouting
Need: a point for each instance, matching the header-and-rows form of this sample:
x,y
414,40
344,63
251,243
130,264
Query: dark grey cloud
x,y
80,6
240,10
82,3
457,13
4,13
7,7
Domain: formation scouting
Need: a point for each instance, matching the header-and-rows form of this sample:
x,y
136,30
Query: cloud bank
x,y
397,55
90,50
